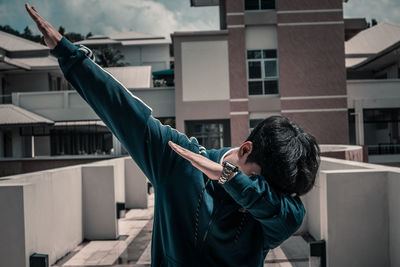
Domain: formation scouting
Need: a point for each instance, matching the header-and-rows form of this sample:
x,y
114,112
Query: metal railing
x,y
384,148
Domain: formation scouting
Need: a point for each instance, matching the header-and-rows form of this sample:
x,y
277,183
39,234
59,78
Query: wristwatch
x,y
227,171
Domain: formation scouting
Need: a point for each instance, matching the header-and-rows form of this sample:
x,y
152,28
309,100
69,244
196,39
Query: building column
x,y
312,72
17,143
239,110
116,146
359,122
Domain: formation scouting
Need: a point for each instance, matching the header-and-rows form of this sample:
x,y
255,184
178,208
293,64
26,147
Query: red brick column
x,y
239,111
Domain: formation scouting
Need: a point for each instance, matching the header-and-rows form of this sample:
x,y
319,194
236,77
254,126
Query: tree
x,y
61,30
109,57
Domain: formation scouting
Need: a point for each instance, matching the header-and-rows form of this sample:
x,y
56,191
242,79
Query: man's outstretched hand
x,y
210,168
51,35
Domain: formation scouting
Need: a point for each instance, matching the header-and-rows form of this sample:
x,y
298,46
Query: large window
x,y
80,140
259,4
262,72
210,134
381,130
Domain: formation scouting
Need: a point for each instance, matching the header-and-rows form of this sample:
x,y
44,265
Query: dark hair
x,y
289,158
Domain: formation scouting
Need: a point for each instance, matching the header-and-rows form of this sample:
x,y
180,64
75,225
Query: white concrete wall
x,y
46,212
12,241
354,207
132,54
356,212
135,186
205,70
394,217
99,203
374,93
69,106
156,56
53,212
261,37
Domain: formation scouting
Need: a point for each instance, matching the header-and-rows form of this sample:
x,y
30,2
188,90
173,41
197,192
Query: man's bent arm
x,y
279,215
128,118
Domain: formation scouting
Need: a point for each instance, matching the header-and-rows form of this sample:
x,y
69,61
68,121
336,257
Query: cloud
x,y
160,17
382,11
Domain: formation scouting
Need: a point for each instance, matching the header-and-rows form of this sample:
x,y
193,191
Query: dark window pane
x,y
251,5
271,87
255,88
213,134
267,4
254,69
251,54
270,69
255,122
269,53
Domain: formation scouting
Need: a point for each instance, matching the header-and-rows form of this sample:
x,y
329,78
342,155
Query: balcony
x,y
69,106
354,208
374,93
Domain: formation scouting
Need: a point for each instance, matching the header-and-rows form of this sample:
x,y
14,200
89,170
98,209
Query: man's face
x,y
250,168
247,167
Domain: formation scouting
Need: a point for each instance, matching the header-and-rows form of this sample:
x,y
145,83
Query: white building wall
x,y
156,56
374,93
261,37
132,54
205,70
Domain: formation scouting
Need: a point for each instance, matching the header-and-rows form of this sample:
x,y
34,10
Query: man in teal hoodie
x,y
225,207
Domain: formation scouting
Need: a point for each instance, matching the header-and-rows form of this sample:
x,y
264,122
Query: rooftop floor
x,y
132,249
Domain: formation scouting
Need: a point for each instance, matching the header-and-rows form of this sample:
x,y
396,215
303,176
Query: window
x,y
262,69
254,122
210,134
80,140
382,130
259,4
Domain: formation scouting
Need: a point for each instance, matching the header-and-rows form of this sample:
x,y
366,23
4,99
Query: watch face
x,y
230,166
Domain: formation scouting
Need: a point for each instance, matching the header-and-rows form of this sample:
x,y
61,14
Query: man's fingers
x,y
180,150
30,12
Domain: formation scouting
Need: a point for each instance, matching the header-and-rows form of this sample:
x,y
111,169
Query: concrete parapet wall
x,y
50,212
354,207
99,201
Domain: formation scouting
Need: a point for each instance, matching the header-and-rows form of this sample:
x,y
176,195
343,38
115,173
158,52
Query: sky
x,y
158,17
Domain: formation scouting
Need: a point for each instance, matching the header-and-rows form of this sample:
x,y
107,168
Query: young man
x,y
225,207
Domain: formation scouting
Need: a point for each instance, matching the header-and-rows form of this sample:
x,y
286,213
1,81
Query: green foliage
x,y
27,34
109,57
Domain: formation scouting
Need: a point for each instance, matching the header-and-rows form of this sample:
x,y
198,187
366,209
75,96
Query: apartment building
x,y
138,49
373,83
41,114
269,57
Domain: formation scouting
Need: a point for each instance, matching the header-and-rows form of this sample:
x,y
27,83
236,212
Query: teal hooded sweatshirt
x,y
197,222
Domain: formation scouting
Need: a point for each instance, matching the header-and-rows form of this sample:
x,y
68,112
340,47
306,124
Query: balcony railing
x,y
384,148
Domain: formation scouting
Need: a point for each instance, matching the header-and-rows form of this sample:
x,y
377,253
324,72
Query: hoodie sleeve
x,y
127,117
279,215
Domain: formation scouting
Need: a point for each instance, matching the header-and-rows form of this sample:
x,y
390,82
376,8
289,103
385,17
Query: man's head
x,y
285,155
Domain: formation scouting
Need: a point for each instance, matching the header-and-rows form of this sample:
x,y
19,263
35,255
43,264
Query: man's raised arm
x,y
128,118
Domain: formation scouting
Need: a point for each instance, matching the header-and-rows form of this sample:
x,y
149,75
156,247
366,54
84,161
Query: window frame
x,y
259,7
263,78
